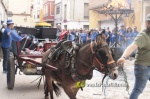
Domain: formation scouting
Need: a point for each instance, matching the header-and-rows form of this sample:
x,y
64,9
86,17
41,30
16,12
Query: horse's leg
x,y
75,90
69,92
50,89
49,84
46,90
70,89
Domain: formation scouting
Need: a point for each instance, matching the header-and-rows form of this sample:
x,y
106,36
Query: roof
x,y
43,24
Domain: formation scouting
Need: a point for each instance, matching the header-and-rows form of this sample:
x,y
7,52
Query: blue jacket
x,y
123,32
71,37
135,33
83,37
94,35
129,35
7,40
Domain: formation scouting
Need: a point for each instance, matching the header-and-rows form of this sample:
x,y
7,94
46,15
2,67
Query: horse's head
x,y
103,57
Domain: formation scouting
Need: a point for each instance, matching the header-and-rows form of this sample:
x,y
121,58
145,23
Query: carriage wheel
x,y
11,73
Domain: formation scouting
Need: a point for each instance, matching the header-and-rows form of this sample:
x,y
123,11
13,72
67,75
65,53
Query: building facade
x,y
21,13
49,11
3,11
145,10
99,20
72,14
140,7
137,18
38,11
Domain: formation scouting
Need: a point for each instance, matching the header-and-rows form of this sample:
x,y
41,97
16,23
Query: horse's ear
x,y
100,39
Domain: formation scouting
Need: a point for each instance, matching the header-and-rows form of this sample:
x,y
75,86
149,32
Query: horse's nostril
x,y
115,76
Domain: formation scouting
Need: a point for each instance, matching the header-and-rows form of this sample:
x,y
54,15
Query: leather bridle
x,y
99,61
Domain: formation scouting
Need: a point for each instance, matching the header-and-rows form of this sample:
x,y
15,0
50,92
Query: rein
x,y
100,63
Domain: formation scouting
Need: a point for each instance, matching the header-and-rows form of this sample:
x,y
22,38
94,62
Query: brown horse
x,y
96,55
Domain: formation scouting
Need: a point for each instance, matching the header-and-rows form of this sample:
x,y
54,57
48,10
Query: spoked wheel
x,y
11,73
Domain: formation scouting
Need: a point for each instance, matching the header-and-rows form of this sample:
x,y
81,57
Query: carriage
x,y
26,55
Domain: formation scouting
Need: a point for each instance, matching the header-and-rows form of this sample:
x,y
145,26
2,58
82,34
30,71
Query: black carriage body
x,y
39,32
43,33
27,30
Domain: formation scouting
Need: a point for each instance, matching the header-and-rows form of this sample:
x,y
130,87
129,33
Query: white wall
x,y
110,24
37,7
57,1
145,3
19,7
75,25
79,9
75,12
3,15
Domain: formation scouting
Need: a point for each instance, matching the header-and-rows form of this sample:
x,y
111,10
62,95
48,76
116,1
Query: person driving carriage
x,y
8,35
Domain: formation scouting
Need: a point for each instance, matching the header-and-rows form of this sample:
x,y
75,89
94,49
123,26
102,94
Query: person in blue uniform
x,y
121,33
83,36
135,32
94,35
89,35
7,38
112,37
71,36
129,36
107,33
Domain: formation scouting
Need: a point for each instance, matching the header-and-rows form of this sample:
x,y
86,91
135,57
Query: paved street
x,y
24,89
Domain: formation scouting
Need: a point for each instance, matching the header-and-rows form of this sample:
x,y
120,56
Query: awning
x,y
43,24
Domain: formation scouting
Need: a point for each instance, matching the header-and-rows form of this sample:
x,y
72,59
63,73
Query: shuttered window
x,y
86,10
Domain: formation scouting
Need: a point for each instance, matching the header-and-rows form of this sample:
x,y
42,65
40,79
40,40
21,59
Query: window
x,y
65,11
52,8
86,26
86,11
38,14
65,27
58,10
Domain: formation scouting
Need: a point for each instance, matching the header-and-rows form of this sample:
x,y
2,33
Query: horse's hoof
x,y
46,97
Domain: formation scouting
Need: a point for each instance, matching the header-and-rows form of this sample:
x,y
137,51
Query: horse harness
x,y
71,58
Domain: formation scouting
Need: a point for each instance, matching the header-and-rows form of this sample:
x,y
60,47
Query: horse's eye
x,y
103,52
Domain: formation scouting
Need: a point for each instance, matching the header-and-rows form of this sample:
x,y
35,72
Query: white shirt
x,y
3,29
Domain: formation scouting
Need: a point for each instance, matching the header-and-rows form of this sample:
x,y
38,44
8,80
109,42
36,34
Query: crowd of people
x,y
125,36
